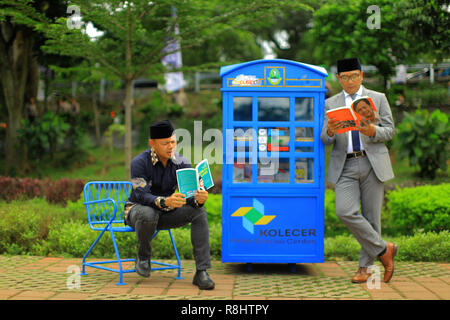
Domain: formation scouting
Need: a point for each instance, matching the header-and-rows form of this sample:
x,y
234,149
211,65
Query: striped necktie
x,y
355,134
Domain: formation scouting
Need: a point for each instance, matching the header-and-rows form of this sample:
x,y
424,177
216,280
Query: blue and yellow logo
x,y
252,216
274,77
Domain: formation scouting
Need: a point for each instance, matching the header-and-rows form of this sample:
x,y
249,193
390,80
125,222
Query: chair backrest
x,y
102,212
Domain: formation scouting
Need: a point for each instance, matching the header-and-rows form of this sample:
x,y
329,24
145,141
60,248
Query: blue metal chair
x,y
105,202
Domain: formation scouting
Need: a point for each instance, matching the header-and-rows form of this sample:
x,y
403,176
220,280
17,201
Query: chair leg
x,y
119,262
83,272
179,277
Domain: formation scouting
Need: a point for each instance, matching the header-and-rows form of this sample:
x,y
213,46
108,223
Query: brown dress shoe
x,y
387,259
361,275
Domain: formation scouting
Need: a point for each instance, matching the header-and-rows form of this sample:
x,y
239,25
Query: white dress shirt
x,y
348,103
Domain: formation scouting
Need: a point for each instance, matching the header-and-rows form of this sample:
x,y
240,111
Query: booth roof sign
x,y
273,73
246,81
274,76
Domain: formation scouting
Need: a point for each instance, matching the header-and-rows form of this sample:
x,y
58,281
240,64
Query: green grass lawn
x,y
98,164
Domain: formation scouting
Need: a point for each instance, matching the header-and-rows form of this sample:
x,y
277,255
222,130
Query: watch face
x,y
162,202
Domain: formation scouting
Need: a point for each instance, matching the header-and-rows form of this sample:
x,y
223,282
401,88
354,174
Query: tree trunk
x,y
15,59
128,96
47,82
95,109
128,103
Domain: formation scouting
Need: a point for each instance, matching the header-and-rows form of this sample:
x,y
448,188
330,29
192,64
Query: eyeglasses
x,y
348,78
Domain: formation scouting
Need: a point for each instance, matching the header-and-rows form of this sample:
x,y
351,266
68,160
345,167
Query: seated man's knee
x,y
146,214
199,213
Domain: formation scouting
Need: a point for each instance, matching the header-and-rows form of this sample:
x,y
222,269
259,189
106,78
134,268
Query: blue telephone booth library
x,y
273,171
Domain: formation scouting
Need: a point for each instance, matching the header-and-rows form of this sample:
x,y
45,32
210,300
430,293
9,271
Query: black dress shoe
x,y
142,267
203,281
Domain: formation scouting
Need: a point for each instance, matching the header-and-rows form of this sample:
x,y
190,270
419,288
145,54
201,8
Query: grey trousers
x,y
145,220
359,198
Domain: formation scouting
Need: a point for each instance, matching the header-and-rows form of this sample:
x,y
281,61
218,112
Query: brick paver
x,y
46,278
33,295
70,296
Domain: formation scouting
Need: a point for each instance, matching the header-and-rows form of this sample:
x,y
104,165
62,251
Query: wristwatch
x,y
162,202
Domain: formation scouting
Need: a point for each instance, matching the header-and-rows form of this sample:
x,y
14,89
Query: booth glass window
x,y
242,107
243,137
304,149
304,170
273,109
304,135
304,109
273,170
242,170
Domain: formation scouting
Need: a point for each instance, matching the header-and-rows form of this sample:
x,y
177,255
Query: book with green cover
x,y
191,180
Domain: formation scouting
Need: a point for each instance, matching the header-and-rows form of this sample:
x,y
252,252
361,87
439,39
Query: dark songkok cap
x,y
161,130
348,64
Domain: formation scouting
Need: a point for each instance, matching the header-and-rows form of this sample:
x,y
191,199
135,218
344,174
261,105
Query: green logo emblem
x,y
274,77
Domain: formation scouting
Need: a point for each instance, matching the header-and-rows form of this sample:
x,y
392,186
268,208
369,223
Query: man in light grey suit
x,y
359,164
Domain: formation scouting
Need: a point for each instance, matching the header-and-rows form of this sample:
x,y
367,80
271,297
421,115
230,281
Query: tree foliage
x,y
428,22
137,34
285,33
345,28
423,138
19,72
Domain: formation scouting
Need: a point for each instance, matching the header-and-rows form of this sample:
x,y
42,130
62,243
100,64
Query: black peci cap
x,y
348,64
161,130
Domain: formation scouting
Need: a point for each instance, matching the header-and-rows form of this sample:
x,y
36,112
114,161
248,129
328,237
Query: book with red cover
x,y
348,114
278,148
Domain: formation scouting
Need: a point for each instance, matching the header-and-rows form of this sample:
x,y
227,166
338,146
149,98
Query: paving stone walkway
x,y
55,278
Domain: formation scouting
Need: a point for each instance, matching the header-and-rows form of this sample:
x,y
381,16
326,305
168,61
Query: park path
x,y
46,278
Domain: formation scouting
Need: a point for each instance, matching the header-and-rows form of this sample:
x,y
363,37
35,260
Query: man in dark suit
x,y
359,164
154,204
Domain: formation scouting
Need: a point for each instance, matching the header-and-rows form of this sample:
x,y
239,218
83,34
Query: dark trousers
x,y
145,220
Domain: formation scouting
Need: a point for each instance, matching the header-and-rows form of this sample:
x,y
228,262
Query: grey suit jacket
x,y
376,150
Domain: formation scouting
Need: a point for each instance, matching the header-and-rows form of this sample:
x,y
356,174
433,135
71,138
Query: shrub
x,y
63,190
38,228
74,238
162,246
426,96
24,225
422,246
215,240
43,135
58,192
333,226
424,140
14,188
427,247
424,208
343,246
213,207
53,132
